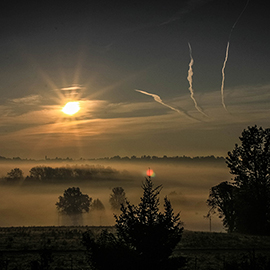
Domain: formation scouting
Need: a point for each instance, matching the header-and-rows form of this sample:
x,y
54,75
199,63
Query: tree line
x,y
132,158
48,174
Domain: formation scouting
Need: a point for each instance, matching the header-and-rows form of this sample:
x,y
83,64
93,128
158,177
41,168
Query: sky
x,y
165,78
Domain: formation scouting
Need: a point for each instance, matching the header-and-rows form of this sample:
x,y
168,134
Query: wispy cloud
x,y
122,121
74,87
28,100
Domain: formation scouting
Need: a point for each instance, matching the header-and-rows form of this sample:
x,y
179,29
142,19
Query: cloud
x,y
74,87
103,122
28,100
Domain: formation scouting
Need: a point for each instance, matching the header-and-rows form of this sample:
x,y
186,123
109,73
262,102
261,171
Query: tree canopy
x,y
244,203
97,205
73,202
117,198
15,174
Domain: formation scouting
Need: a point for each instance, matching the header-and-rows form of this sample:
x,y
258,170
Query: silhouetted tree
x,y
222,199
37,173
151,233
73,202
117,198
246,200
145,237
15,174
97,205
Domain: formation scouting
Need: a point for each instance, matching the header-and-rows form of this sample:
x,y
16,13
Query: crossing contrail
x,y
189,78
226,58
159,100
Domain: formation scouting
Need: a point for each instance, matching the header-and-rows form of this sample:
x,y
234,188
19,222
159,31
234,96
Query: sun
x,y
71,108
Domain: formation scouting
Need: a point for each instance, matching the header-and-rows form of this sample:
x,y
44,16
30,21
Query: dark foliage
x,y
73,202
223,199
117,198
15,174
64,174
107,252
145,237
249,261
244,204
97,205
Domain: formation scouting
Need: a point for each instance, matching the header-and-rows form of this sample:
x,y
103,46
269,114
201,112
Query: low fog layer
x,y
186,185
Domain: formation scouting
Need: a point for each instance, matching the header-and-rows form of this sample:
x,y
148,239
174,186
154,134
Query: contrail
x,y
159,100
223,76
189,78
226,58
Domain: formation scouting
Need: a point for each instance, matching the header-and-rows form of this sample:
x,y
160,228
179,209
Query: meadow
x,y
61,248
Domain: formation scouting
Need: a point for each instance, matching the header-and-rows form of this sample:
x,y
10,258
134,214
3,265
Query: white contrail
x,y
226,58
189,78
240,15
223,76
158,99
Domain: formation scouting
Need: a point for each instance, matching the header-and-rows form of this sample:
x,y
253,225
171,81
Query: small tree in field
x,y
73,202
97,205
117,198
145,237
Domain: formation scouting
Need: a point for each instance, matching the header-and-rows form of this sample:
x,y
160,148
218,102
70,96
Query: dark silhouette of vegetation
x,y
133,158
97,205
15,174
145,237
165,158
117,198
244,203
249,261
73,202
64,174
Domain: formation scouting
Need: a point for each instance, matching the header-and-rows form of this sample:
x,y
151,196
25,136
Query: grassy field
x,y
60,248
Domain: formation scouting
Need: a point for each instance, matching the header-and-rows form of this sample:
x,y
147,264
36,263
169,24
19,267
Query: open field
x,y
61,248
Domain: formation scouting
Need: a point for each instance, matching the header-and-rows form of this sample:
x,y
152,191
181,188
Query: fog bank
x,y
186,185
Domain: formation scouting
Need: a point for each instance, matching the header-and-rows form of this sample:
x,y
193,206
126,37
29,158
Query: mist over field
x,y
186,185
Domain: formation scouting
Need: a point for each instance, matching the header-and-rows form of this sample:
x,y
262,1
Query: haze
x,y
187,186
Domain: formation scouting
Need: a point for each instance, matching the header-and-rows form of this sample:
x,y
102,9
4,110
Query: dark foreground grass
x,y
60,248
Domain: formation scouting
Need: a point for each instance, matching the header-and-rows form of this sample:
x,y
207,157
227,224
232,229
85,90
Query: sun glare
x,y
71,108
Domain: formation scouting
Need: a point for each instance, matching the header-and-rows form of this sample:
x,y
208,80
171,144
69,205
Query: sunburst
x,y
71,108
